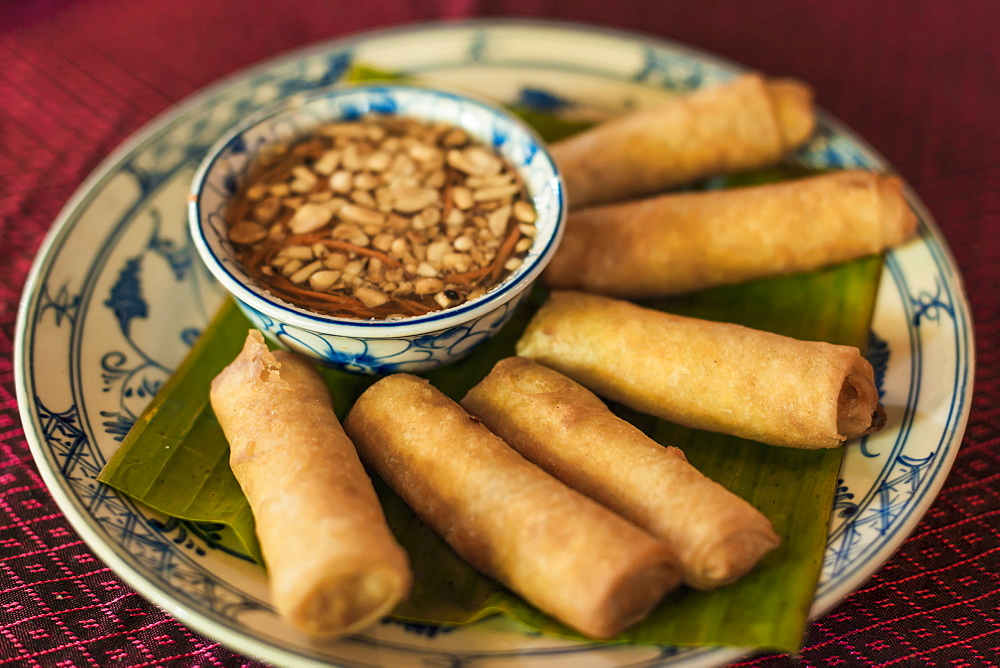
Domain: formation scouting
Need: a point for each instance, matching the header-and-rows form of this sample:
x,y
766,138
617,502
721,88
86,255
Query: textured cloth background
x,y
919,80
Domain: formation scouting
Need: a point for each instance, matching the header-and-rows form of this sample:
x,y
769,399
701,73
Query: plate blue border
x,y
39,298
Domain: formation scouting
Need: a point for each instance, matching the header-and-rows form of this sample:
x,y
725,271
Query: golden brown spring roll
x,y
334,566
567,431
707,375
684,242
561,551
744,124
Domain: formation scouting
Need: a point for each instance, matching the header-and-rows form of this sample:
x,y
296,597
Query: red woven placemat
x,y
918,80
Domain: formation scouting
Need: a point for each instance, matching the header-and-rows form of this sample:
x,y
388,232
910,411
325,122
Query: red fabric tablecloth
x,y
919,80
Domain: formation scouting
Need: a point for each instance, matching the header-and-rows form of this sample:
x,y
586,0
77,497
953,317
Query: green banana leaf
x,y
175,459
552,128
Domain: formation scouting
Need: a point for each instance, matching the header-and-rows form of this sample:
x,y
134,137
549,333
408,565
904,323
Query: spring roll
x,y
747,123
567,431
334,566
685,242
707,375
558,549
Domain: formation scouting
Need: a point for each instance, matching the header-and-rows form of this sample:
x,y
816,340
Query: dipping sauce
x,y
383,217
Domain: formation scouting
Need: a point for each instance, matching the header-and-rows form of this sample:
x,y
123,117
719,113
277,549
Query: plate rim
x,y
61,227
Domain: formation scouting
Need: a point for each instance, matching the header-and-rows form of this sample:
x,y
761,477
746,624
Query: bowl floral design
x,y
411,344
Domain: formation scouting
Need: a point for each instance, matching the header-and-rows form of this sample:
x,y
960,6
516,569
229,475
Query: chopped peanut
x,y
381,213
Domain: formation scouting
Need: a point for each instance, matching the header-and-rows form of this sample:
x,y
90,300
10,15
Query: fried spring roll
x,y
685,242
567,431
334,566
561,551
744,124
707,375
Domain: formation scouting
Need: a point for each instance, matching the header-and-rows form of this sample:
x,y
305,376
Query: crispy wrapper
x,y
707,375
333,564
566,430
558,549
678,243
745,124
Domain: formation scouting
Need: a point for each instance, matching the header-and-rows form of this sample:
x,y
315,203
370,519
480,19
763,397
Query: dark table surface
x,y
919,80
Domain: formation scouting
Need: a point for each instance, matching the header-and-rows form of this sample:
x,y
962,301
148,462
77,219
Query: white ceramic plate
x,y
117,295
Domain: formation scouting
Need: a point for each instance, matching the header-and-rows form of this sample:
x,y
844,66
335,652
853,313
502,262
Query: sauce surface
x,y
383,217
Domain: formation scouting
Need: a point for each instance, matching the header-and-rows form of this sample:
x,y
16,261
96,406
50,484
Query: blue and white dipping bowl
x,y
374,346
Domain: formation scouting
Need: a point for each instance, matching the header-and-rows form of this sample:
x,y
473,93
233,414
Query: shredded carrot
x,y
468,277
494,268
416,308
320,237
338,304
286,286
448,204
361,250
506,250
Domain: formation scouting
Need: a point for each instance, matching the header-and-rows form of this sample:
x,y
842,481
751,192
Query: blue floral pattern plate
x,y
117,296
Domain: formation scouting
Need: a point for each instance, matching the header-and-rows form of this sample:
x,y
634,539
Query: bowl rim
x,y
433,321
